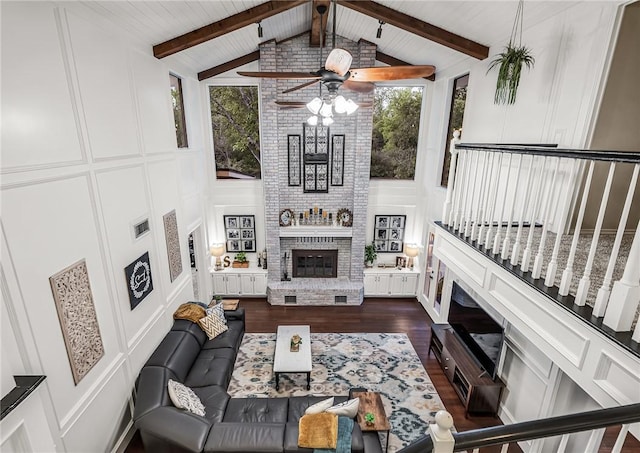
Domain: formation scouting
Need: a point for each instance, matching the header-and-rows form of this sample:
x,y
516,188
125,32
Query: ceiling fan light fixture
x,y
340,104
326,110
328,121
312,120
314,105
351,107
338,61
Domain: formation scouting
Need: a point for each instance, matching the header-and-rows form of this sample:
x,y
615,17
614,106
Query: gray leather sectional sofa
x,y
238,425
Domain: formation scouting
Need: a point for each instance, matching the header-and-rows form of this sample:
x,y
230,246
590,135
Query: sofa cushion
x,y
215,401
151,390
211,367
177,352
245,438
191,327
357,445
299,404
269,410
183,397
230,339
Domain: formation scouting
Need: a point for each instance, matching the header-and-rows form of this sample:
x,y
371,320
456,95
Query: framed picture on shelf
x,y
388,233
240,233
400,261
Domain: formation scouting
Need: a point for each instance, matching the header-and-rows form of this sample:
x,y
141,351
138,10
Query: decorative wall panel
x,y
293,147
77,315
337,160
173,244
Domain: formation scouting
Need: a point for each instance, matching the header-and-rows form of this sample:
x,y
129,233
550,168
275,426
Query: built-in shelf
x,y
315,231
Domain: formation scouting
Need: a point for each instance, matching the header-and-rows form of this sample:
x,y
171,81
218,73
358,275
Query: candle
x,y
310,211
315,209
320,211
324,215
330,216
300,216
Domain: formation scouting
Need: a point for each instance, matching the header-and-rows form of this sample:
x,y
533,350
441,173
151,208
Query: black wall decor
x,y
337,160
316,158
240,232
293,159
139,283
388,233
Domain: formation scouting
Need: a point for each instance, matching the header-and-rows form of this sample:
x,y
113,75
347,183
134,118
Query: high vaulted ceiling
x,y
477,24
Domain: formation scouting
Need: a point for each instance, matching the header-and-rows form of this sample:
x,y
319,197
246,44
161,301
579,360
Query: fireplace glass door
x,y
315,263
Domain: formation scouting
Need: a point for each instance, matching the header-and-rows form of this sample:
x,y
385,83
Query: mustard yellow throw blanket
x,y
325,433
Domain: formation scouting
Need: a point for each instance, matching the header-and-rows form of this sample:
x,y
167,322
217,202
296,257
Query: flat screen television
x,y
480,333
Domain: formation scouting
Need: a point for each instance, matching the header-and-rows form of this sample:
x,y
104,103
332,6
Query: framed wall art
x,y
173,244
240,233
316,158
388,233
78,321
139,282
337,160
294,159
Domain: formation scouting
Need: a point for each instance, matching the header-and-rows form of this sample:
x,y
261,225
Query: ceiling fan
x,y
337,73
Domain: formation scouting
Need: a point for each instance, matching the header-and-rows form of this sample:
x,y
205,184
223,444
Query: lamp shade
x,y
411,250
216,250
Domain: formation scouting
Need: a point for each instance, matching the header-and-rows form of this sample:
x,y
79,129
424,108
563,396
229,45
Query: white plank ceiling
x,y
151,22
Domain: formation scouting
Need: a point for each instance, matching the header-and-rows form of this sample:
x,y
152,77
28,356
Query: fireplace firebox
x,y
315,263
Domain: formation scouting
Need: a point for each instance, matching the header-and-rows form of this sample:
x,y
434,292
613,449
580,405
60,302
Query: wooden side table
x,y
371,402
230,304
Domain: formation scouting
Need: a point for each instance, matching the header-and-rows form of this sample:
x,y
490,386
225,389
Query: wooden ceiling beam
x,y
229,65
224,26
316,26
417,27
393,61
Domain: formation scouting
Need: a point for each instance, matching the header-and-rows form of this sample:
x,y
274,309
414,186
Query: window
x,y
178,111
458,101
236,131
396,123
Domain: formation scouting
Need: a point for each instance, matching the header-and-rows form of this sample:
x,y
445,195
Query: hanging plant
x,y
511,61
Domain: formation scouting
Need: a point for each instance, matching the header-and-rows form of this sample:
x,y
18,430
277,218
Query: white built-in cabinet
x,y
239,282
390,282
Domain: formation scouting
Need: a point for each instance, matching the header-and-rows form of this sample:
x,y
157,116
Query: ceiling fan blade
x,y
358,87
281,75
379,74
298,87
300,104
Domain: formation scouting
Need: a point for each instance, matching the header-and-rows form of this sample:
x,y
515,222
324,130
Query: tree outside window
x,y
178,111
458,102
236,131
396,124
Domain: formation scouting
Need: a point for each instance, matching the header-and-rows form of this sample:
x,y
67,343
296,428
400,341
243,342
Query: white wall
x,y
88,149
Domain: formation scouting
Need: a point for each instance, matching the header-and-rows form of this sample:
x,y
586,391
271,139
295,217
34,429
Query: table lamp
x,y
217,250
411,250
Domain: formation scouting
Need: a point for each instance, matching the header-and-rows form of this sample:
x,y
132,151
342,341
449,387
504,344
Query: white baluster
x,y
456,189
505,448
487,242
506,244
636,333
467,187
440,432
467,227
459,188
485,197
550,278
564,440
595,439
452,172
481,189
496,239
537,198
567,274
515,254
602,299
585,281
546,219
617,447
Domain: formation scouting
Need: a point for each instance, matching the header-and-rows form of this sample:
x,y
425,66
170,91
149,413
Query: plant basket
x,y
240,264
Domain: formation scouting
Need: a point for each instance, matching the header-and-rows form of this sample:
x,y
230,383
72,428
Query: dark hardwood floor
x,y
379,315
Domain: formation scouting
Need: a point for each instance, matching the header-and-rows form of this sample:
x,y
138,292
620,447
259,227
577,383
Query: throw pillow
x,y
201,304
318,431
348,408
212,325
320,406
183,397
192,312
218,309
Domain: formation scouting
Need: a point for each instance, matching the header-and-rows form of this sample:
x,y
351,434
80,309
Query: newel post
x,y
440,433
452,174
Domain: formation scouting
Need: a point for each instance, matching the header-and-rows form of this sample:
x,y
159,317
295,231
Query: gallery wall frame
x,y
294,159
388,233
337,160
72,295
139,281
240,233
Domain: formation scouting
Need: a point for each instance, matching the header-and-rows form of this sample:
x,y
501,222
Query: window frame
x,y
446,158
183,118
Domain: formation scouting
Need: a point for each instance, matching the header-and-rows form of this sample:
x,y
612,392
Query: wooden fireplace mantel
x,y
315,231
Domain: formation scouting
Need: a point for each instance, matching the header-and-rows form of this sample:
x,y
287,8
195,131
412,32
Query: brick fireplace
x,y
276,126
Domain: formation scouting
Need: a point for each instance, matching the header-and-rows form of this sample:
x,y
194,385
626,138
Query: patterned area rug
x,y
380,362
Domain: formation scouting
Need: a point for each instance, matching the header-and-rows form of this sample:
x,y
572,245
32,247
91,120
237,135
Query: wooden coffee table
x,y
289,362
371,402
